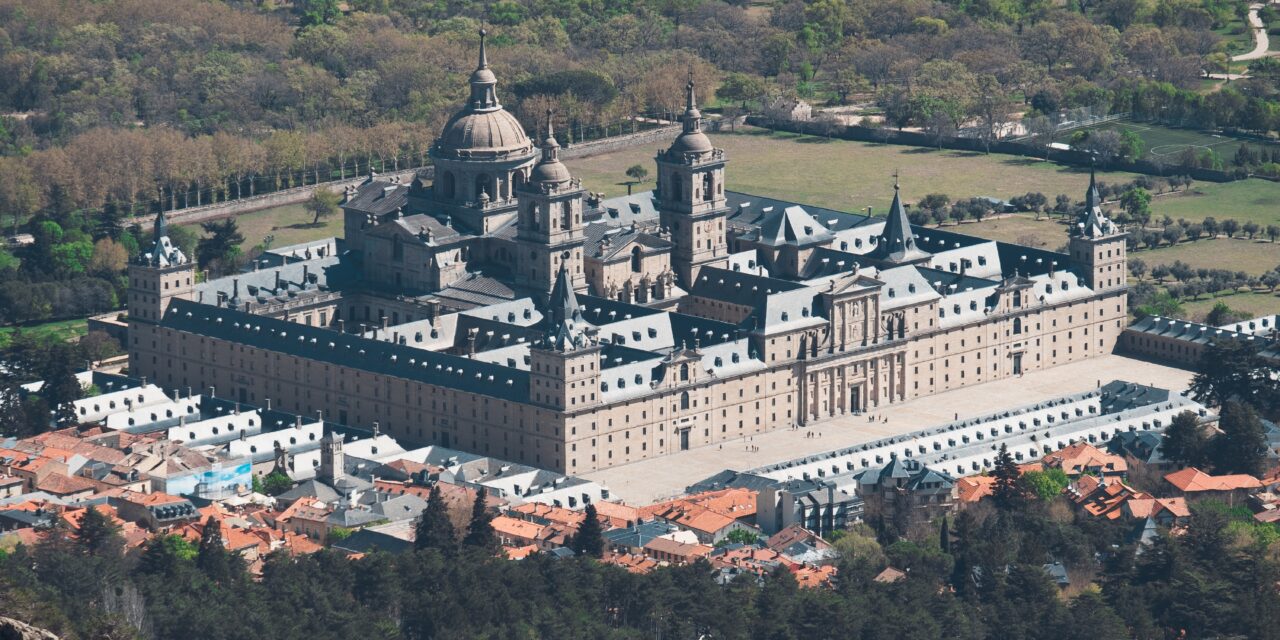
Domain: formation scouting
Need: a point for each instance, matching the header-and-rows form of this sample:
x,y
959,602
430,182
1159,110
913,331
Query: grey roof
x,y
792,225
366,541
347,350
1093,223
897,242
279,284
1188,331
310,489
378,197
638,534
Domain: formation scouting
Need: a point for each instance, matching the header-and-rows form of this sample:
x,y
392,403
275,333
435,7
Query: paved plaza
x,y
650,480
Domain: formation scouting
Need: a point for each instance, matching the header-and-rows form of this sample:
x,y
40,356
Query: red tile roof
x,y
1192,480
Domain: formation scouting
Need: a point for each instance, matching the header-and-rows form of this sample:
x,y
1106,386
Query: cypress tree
x,y
1242,447
1007,492
590,538
480,529
944,536
434,530
98,535
213,558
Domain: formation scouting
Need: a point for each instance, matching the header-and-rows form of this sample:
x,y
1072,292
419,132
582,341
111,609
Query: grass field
x,y
1251,256
850,176
1246,304
290,224
1019,229
1257,200
1169,142
63,329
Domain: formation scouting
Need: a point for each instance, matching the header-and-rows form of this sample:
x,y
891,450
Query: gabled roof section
x,y
793,225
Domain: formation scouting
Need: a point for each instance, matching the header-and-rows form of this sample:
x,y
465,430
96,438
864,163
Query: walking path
x,y
1261,43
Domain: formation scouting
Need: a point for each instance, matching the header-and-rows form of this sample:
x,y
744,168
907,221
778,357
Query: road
x,y
1261,43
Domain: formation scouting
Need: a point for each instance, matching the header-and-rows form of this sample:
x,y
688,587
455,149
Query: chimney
x,y
213,392
386,322
306,275
277,280
320,415
188,392
376,429
297,422
342,326
144,381
268,404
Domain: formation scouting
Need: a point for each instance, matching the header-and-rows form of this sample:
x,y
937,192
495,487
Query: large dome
x,y
484,133
692,142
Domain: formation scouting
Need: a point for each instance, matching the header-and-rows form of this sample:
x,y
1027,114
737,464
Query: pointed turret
x,y
897,243
161,227
1093,222
566,330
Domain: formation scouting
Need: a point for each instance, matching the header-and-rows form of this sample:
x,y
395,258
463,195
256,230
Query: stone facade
x,y
675,319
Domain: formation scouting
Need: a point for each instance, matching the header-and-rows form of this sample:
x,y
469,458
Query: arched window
x,y
684,401
707,193
684,372
675,187
447,186
1017,326
635,260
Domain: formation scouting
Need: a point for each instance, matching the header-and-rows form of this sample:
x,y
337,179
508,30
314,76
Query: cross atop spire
x,y
897,242
692,117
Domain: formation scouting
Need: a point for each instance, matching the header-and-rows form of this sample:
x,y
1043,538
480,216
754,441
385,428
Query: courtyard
x,y
651,480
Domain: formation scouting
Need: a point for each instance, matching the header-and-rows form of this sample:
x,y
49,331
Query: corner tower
x,y
690,194
157,276
1097,245
565,366
549,229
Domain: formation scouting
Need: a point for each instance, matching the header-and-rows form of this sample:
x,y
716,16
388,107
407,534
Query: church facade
x,y
502,309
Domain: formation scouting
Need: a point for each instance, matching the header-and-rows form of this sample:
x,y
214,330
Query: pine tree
x,y
1007,492
98,535
1184,442
590,538
480,529
1242,447
434,530
213,558
944,536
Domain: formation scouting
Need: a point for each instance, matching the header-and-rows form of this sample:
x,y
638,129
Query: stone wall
x,y
297,195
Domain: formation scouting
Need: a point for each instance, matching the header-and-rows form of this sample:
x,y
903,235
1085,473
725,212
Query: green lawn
x,y
1170,142
290,224
62,329
1251,256
1246,304
1255,199
851,176
1019,228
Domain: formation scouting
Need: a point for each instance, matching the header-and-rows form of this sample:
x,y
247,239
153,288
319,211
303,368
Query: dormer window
x,y
785,316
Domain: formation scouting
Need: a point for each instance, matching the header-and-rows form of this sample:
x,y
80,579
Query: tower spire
x,y
483,82
692,117
897,242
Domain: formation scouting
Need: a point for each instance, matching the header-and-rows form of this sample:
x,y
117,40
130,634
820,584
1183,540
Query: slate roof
x,y
347,350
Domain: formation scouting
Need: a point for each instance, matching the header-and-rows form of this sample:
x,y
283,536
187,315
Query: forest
x,y
980,576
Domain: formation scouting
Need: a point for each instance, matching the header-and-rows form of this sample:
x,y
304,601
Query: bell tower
x,y
159,275
549,227
1097,245
690,194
